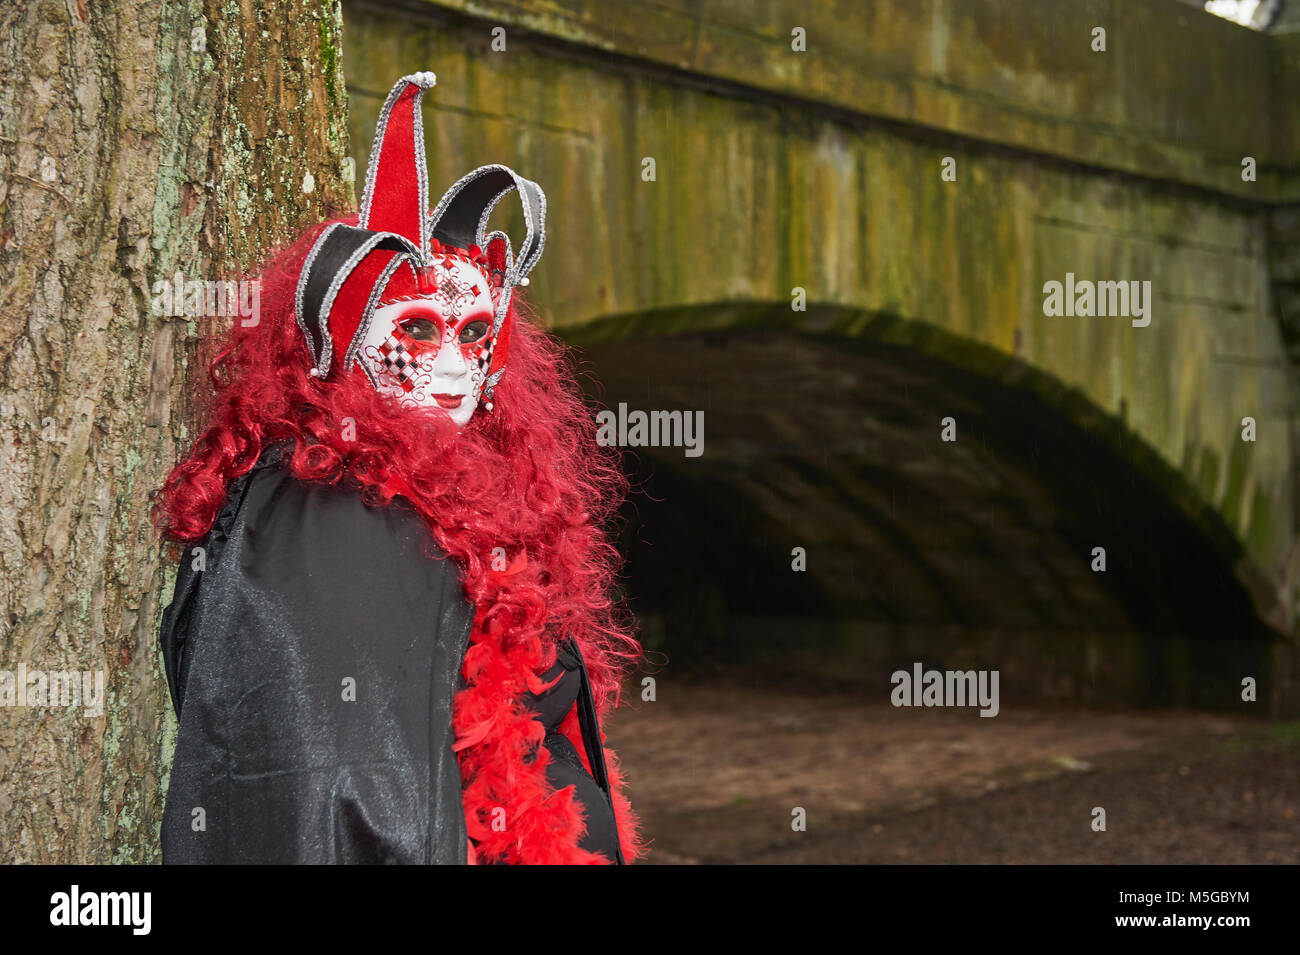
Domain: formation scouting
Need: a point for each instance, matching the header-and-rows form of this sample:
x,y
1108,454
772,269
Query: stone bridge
x,y
830,227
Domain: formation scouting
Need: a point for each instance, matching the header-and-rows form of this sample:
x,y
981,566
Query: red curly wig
x,y
527,480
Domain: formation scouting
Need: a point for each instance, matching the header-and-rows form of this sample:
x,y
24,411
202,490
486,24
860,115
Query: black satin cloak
x,y
312,661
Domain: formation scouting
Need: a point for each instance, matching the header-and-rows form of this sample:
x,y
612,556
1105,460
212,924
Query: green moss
x,y
1287,731
1207,476
1238,467
1260,531
329,57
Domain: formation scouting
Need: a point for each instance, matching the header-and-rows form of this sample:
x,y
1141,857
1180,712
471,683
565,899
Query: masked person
x,y
392,637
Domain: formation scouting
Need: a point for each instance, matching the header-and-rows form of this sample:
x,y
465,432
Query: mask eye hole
x,y
421,329
473,332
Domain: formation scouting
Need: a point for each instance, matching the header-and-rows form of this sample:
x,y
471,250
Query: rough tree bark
x,y
138,138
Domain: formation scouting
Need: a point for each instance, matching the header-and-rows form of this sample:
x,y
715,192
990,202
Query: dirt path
x,y
716,773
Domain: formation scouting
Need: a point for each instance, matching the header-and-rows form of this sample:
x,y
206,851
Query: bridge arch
x,y
925,177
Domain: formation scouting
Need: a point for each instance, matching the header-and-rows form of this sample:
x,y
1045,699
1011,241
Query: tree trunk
x,y
138,139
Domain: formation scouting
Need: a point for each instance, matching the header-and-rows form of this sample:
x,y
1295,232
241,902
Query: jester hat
x,y
391,252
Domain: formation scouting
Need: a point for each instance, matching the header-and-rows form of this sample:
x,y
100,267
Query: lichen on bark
x,y
138,139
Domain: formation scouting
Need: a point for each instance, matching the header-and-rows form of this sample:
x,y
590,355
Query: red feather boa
x,y
511,812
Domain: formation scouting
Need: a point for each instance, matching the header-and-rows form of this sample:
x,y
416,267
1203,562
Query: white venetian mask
x,y
426,350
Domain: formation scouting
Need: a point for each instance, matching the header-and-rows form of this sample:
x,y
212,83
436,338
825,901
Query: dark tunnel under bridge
x,y
970,554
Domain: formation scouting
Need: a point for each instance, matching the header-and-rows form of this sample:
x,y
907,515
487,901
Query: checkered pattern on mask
x,y
399,361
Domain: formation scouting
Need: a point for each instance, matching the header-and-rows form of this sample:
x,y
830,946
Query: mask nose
x,y
449,363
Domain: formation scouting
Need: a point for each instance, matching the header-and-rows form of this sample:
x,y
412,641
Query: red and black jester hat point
x,y
350,268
